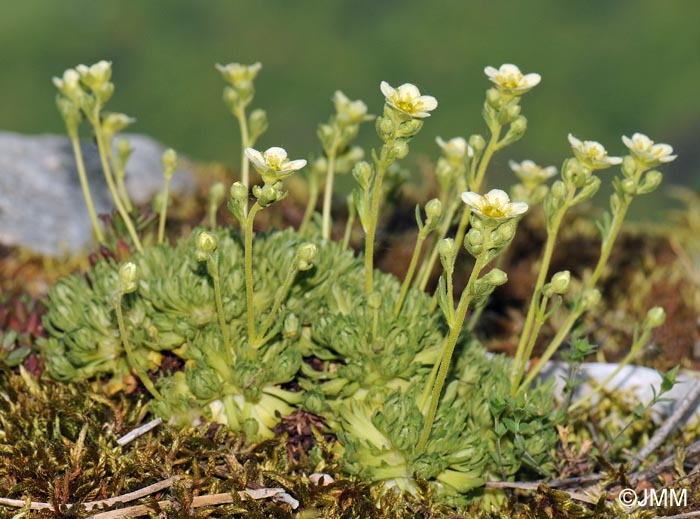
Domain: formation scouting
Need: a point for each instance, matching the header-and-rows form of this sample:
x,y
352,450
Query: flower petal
x,y
472,199
490,72
294,165
531,80
517,208
255,157
575,142
426,103
388,91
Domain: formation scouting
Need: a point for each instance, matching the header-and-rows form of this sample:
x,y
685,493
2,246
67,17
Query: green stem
x,y
213,269
119,174
328,191
212,215
245,143
110,183
163,212
529,346
348,227
85,187
427,266
281,296
381,167
310,205
552,234
409,274
248,246
130,354
449,347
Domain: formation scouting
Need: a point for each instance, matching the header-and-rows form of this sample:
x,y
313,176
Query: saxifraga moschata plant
x,y
397,373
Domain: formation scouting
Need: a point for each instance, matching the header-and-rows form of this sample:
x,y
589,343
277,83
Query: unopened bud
x,y
400,149
495,278
374,301
629,186
257,121
433,210
239,192
477,142
561,281
363,174
206,244
306,256
655,318
629,166
385,128
169,162
448,252
128,274
651,181
494,98
590,298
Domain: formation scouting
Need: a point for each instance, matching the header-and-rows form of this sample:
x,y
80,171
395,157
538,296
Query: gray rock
x,y
41,201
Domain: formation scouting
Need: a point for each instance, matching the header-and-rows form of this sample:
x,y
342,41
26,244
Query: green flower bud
x,y
267,195
517,129
474,242
477,142
231,98
448,252
400,149
629,186
291,326
104,93
560,282
503,234
128,276
410,128
70,112
385,128
217,191
206,244
257,122
363,174
651,181
509,114
655,318
495,277
433,211
306,256
169,162
114,122
494,98
205,383
629,166
590,298
558,190
124,150
239,192
374,300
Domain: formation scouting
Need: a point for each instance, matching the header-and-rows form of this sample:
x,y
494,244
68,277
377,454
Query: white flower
x,y
644,148
508,78
407,99
530,173
350,112
494,205
456,148
240,76
272,164
592,154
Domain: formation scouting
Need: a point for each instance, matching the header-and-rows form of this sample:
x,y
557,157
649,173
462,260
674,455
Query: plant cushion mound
x,y
352,361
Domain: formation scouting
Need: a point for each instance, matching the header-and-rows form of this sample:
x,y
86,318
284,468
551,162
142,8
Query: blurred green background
x,y
609,68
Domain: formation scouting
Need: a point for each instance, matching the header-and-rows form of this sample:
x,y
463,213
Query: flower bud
x,y
400,149
629,186
558,190
363,174
306,256
206,244
495,277
291,326
408,129
504,233
217,191
590,298
448,252
128,274
70,112
374,300
655,318
560,282
651,181
433,210
257,121
267,195
629,166
239,192
517,129
124,150
385,128
494,98
114,122
231,98
477,142
169,162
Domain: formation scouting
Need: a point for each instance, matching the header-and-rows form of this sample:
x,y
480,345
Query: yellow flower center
x,y
493,211
510,80
405,105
